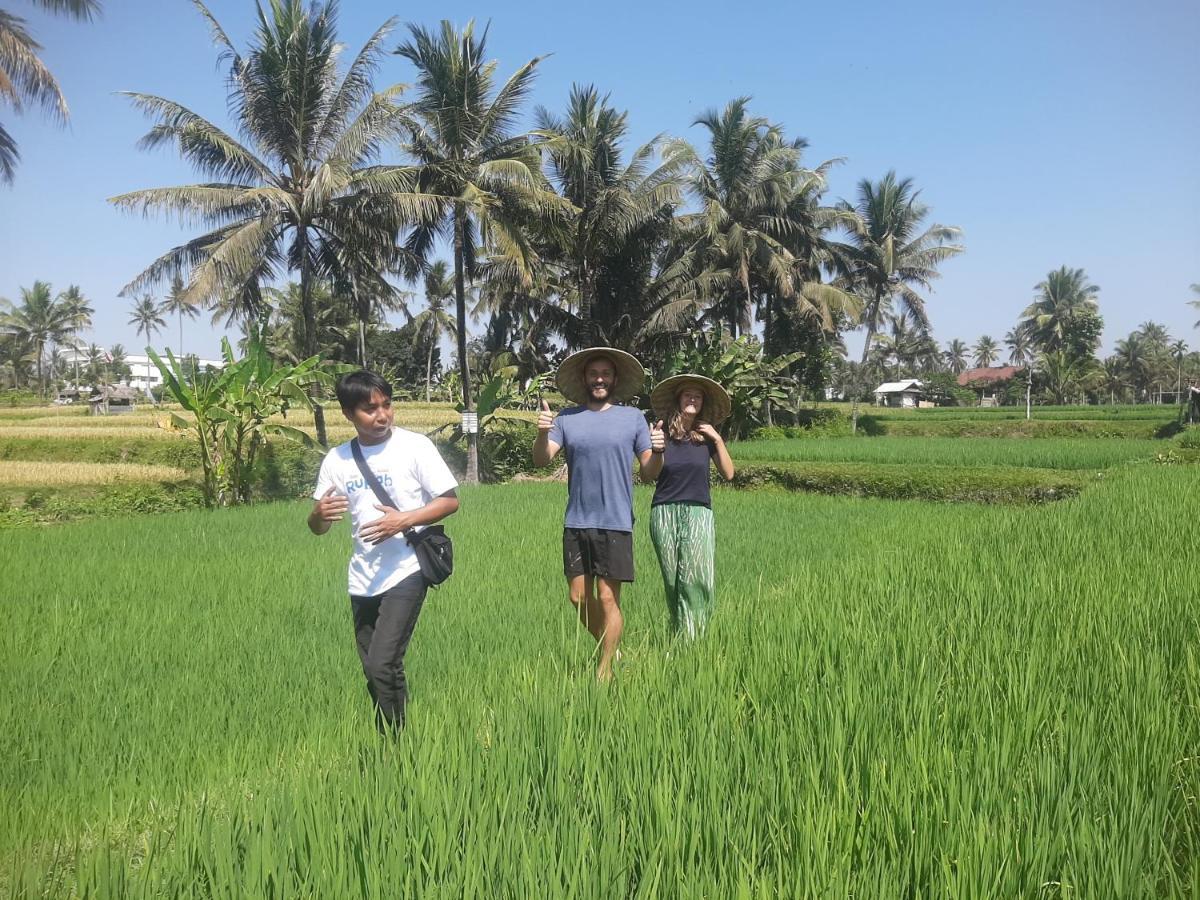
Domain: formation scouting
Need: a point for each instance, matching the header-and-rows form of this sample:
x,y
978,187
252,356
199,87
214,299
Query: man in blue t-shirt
x,y
599,439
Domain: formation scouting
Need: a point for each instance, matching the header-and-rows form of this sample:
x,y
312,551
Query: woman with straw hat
x,y
681,519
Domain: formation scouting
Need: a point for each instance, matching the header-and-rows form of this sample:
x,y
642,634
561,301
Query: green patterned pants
x,y
685,542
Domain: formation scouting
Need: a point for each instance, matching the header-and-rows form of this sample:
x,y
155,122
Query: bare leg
x,y
583,598
609,592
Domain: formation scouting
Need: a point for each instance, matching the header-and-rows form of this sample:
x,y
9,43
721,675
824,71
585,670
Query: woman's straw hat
x,y
664,397
631,377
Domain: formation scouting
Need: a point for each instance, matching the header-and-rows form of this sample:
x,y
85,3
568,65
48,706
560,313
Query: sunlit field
x,y
896,699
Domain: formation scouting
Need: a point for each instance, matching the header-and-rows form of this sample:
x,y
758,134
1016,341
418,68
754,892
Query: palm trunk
x,y
361,315
464,368
872,316
310,335
429,361
41,381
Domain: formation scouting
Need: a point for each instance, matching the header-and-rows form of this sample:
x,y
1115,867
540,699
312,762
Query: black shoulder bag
x,y
433,547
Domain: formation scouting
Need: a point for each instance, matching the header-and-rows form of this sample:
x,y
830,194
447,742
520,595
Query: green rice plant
x,y
895,699
1050,453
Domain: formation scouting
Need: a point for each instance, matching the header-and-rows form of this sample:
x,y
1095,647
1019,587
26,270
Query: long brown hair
x,y
675,420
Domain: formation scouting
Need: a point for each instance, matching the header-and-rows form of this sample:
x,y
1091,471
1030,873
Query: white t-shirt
x,y
413,473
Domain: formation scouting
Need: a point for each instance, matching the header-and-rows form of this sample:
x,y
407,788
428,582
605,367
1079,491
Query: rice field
x,y
897,699
57,474
1047,453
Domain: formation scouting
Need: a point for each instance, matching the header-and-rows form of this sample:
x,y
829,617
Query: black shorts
x,y
598,551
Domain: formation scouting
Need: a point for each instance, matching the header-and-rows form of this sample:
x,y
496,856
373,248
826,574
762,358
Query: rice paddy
x,y
898,698
53,474
1050,453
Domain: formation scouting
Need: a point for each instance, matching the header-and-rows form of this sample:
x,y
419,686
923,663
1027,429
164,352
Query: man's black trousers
x,y
383,625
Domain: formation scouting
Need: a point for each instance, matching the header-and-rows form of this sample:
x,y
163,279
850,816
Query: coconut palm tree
x,y
41,319
761,231
147,320
1068,376
147,317
1178,351
485,178
1112,378
1137,361
300,191
24,79
986,351
612,221
435,320
176,303
1020,346
1059,302
956,356
1154,334
892,254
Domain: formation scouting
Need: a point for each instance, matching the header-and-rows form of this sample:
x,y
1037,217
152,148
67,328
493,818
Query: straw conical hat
x,y
630,374
717,404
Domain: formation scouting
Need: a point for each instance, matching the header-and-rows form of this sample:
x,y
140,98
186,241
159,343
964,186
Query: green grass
x,y
895,700
1051,453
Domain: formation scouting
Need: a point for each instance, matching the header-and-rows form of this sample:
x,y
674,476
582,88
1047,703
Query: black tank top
x,y
684,476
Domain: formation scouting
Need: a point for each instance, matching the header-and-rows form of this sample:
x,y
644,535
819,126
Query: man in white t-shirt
x,y
386,584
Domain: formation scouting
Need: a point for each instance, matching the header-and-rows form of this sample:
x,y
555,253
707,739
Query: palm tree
x,y
1059,301
299,192
1178,351
1112,378
1136,360
761,231
486,180
178,304
986,351
610,223
25,79
891,253
1068,376
1020,346
1154,334
956,356
79,310
439,288
147,317
41,319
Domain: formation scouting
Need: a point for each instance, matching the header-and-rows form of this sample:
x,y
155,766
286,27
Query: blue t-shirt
x,y
599,447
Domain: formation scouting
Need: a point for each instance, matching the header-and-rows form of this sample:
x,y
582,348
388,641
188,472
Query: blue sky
x,y
1052,133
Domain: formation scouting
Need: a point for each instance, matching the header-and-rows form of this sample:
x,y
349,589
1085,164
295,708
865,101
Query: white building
x,y
905,394
143,374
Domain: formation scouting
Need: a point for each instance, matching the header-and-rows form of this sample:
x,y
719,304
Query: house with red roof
x,y
988,382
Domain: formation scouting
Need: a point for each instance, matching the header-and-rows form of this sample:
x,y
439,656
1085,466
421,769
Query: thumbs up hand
x,y
545,418
658,439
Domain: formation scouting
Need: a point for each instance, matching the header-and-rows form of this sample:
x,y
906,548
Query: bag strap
x,y
380,493
412,535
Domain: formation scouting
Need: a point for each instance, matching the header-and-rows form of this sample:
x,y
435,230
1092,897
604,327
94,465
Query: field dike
x,y
939,484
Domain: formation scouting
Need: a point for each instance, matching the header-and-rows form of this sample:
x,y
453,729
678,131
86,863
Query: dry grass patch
x,y
45,474
44,432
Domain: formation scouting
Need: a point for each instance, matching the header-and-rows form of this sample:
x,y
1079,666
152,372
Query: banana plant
x,y
231,410
754,382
